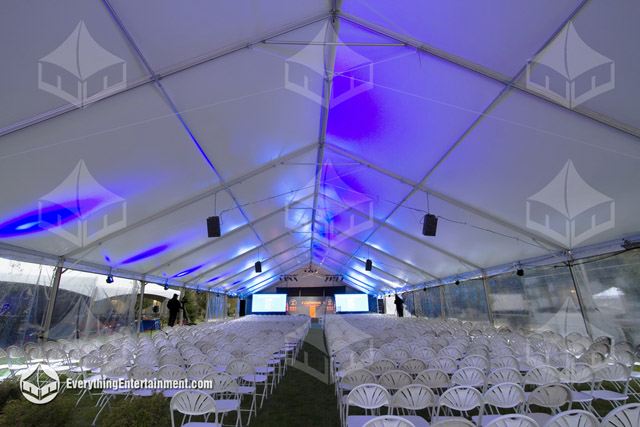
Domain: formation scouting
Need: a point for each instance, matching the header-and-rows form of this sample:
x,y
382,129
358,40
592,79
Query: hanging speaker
x,y
258,267
429,225
213,226
368,265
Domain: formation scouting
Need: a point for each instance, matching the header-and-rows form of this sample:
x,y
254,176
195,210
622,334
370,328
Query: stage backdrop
x,y
313,306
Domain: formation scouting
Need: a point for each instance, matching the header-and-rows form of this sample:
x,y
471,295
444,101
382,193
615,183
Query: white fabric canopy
x,y
315,129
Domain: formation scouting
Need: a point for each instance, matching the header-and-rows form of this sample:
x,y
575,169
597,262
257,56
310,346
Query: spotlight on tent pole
x,y
258,267
198,291
520,271
109,279
368,265
166,287
457,282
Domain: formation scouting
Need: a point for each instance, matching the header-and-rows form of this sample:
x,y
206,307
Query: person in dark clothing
x,y
398,302
174,307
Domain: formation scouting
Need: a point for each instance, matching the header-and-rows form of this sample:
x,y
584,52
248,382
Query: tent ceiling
x,y
315,129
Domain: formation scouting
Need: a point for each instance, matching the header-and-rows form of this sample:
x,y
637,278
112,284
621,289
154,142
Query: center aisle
x,y
304,396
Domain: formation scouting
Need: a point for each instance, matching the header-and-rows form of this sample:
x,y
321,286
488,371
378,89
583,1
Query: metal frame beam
x,y
418,270
190,201
251,267
171,71
324,117
283,272
402,233
450,200
237,257
363,262
489,73
377,281
231,234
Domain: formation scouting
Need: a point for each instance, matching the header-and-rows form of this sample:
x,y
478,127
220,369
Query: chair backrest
x,y
142,373
461,398
172,372
192,402
381,366
623,416
505,395
475,361
358,376
413,397
222,383
542,375
504,375
394,380
433,378
612,372
240,368
445,364
453,422
200,370
472,377
369,396
370,355
573,418
513,420
223,359
413,366
424,353
550,396
579,373
399,355
388,421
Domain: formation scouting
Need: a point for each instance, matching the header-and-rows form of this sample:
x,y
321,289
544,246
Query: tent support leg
x,y
485,283
55,285
579,296
208,306
139,314
442,309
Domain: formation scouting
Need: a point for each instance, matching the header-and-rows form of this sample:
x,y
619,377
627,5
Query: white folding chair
x,y
574,418
192,403
623,416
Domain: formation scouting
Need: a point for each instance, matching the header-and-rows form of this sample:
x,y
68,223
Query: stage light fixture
x,y
258,267
198,291
166,287
368,265
520,272
109,279
457,282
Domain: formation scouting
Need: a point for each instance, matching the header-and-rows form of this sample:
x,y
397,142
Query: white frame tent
x,y
321,133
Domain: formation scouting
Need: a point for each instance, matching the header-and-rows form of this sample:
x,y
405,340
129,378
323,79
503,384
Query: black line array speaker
x,y
429,225
213,226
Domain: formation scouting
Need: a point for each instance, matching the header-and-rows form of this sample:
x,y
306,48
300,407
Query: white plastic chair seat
x,y
201,424
486,419
360,420
609,395
265,370
255,378
581,396
170,392
20,367
143,392
539,417
227,405
220,368
246,389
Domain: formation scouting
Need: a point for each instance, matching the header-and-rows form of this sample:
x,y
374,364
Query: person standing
x,y
174,307
399,308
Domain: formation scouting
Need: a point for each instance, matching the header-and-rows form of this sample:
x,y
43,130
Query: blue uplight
x,y
145,254
187,272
